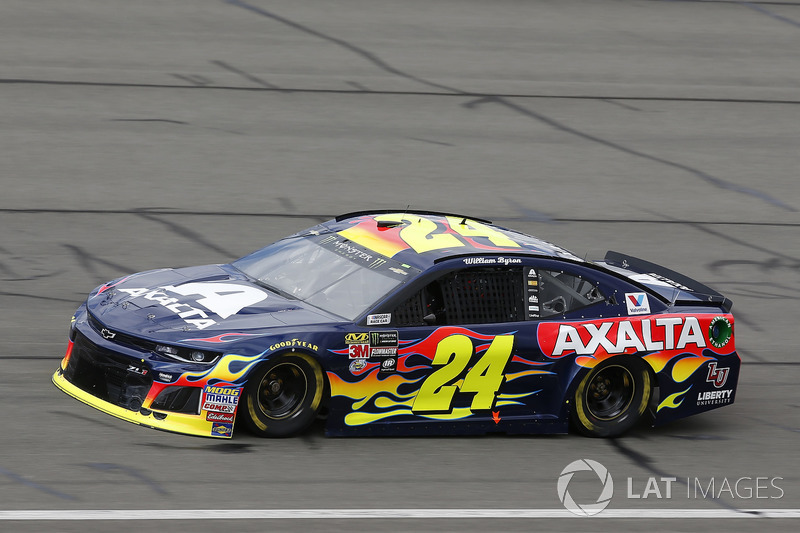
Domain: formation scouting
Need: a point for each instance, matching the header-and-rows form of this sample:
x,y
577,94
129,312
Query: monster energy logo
x,y
383,339
377,263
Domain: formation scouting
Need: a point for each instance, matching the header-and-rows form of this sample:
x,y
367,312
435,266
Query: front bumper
x,y
110,379
174,422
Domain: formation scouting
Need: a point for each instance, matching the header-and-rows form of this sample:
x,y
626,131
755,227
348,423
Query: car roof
x,y
423,238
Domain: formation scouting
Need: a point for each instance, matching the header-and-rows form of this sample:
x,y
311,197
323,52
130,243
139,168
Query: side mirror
x,y
429,319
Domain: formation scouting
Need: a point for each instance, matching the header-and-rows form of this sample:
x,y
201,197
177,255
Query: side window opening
x,y
469,296
560,292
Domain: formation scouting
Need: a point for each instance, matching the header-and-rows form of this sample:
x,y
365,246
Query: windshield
x,y
326,271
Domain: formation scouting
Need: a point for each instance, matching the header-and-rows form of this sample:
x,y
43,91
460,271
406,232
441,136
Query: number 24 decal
x,y
422,234
453,354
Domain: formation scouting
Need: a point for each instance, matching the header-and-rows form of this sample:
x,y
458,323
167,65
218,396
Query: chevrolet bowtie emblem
x,y
107,334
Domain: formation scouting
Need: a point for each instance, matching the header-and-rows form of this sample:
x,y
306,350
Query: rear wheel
x,y
612,397
283,396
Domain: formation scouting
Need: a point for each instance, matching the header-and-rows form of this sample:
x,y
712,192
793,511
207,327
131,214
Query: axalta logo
x,y
224,299
649,335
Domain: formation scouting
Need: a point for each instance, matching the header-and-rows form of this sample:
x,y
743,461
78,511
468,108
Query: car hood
x,y
207,300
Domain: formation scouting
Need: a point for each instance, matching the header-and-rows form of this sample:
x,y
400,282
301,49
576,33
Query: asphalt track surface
x,y
137,135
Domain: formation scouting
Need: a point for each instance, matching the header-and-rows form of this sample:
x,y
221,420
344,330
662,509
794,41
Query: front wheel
x,y
612,397
283,396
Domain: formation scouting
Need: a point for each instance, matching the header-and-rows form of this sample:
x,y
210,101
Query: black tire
x,y
612,397
283,396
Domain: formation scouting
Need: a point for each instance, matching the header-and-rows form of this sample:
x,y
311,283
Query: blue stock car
x,y
403,323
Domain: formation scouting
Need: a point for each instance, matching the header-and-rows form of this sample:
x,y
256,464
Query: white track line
x,y
300,514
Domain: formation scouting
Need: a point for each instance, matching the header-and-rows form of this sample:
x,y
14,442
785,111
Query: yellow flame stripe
x,y
383,402
369,387
517,375
670,403
684,368
515,396
222,370
360,418
459,412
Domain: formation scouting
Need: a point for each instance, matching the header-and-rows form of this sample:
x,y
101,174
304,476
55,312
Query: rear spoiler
x,y
685,290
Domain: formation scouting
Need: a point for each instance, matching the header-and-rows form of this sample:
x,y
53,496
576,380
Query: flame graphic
x,y
684,368
229,369
107,286
369,387
360,418
223,337
517,375
427,346
377,397
508,399
659,360
670,403
591,361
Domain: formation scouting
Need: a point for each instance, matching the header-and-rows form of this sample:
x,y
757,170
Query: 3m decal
x,y
637,303
453,355
358,351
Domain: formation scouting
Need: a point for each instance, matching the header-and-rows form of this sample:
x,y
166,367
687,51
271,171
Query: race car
x,y
404,323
